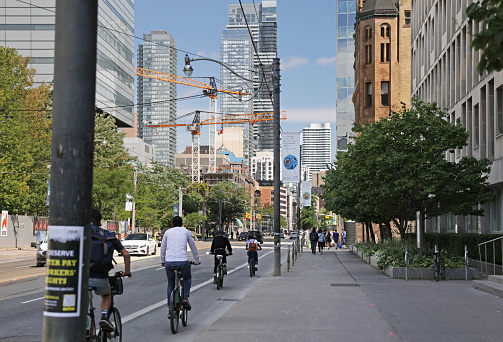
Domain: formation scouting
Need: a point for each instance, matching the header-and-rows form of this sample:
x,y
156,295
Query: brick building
x,y
382,66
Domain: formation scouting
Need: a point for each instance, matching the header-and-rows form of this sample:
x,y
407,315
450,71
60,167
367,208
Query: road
x,y
143,304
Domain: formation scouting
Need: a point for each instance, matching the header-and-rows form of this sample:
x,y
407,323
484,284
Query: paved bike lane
x,y
336,296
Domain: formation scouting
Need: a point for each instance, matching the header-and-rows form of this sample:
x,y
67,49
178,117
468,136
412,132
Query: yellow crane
x,y
195,129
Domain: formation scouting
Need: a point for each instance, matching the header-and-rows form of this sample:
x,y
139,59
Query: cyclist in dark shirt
x,y
220,242
98,278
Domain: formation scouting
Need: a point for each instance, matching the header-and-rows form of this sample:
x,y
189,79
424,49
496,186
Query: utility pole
x,y
180,202
65,304
133,214
277,174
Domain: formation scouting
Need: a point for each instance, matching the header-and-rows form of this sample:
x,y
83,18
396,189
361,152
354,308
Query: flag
x,y
290,157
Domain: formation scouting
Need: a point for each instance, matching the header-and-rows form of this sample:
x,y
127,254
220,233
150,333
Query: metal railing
x,y
493,241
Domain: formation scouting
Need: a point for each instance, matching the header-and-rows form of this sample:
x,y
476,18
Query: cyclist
x,y
252,245
98,272
220,242
174,254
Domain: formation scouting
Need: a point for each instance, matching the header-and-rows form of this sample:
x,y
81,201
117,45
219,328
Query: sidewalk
x,y
338,297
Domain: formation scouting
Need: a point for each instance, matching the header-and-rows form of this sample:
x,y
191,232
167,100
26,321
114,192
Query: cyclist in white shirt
x,y
174,253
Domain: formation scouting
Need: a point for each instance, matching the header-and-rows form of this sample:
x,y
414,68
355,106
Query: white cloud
x,y
310,115
293,62
325,60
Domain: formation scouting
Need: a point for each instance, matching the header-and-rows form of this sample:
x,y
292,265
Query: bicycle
x,y
438,265
252,266
176,308
220,270
114,316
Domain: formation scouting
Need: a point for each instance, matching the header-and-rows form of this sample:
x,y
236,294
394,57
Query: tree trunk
x,y
388,230
370,231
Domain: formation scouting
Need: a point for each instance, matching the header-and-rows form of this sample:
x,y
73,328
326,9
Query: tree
x,y
308,218
489,13
397,167
229,200
25,136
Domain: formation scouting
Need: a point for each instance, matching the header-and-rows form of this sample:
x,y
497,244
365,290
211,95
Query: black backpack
x,y
102,250
313,236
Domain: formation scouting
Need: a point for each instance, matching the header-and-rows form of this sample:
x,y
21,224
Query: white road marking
x,y
13,260
165,301
32,300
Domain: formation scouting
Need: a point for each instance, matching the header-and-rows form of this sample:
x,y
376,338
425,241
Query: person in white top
x,y
174,254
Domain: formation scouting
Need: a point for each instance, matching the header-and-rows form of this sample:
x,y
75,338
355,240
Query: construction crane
x,y
209,89
195,129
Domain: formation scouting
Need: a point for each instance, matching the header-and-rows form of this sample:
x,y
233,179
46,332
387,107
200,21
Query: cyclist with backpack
x,y
252,246
220,242
103,244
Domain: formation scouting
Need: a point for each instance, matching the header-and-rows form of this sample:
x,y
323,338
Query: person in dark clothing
x,y
220,242
313,238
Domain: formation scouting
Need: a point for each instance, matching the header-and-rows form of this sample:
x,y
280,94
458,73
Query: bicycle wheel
x,y
252,267
436,269
174,303
91,333
116,335
221,279
184,314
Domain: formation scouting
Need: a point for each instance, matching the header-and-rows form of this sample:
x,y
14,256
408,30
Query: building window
x,y
387,31
382,52
385,93
499,110
369,94
385,51
382,31
368,54
407,18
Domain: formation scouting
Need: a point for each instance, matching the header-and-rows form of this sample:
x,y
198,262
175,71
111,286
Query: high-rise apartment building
x,y
262,166
262,21
382,67
316,149
158,53
29,26
444,70
345,79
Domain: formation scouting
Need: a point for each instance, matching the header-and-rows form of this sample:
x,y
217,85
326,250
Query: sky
x,y
306,48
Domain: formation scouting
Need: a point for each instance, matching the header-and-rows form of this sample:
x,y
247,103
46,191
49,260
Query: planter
x,y
427,273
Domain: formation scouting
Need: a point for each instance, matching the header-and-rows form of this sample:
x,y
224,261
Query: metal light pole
x,y
72,149
277,175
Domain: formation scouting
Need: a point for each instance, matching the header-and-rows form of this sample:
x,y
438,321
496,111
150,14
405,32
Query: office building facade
x,y
444,70
158,53
345,80
316,147
29,26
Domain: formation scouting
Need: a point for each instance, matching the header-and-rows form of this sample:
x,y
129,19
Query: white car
x,y
140,243
293,235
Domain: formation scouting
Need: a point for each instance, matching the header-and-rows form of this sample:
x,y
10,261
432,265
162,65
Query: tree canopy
x,y
397,167
25,136
228,199
489,13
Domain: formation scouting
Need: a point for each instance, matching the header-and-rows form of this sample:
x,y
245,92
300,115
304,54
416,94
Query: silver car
x,y
140,243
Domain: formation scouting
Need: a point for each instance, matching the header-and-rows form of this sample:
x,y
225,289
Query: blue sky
x,y
306,48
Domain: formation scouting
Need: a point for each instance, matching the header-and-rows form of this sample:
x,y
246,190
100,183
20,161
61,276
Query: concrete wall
x,y
21,232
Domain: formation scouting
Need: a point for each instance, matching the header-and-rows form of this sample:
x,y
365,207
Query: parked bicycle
x,y
176,308
220,269
114,316
438,265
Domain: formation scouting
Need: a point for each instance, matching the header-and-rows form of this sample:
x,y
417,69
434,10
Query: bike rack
x,y
406,262
466,262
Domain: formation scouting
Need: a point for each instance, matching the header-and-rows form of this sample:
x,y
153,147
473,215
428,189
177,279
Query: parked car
x,y
42,251
293,235
140,243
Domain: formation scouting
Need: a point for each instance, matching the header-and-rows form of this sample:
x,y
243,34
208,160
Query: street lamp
x,y
188,70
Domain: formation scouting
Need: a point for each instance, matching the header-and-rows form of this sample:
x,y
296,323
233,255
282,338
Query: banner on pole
x,y
290,157
306,193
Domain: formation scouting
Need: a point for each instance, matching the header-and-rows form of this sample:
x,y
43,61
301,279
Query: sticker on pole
x,y
5,217
63,281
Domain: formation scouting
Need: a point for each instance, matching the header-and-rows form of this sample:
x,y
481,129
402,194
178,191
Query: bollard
x,y
288,260
293,254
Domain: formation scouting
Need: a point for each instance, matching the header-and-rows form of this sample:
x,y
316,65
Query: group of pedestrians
x,y
325,238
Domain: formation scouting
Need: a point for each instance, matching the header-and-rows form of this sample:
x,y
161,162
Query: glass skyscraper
x,y
29,26
262,20
345,80
158,53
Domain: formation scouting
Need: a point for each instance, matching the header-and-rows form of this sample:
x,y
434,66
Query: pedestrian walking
x,y
336,238
313,238
328,238
343,237
321,241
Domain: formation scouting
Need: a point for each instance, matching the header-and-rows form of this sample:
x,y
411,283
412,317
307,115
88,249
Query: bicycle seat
x,y
175,268
219,256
